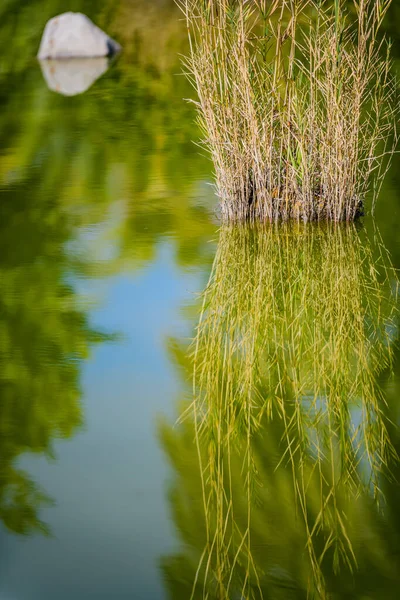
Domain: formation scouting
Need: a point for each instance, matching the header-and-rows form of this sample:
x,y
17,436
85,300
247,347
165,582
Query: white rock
x,y
73,76
74,35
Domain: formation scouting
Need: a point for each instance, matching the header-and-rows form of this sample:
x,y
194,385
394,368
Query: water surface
x,y
108,237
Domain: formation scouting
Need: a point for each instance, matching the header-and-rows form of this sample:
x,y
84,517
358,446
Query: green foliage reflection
x,y
44,337
281,495
118,161
124,147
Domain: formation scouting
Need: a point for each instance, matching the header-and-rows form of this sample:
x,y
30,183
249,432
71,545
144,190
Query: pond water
x,y
108,236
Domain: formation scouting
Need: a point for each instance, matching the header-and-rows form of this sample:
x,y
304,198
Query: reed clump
x,y
296,102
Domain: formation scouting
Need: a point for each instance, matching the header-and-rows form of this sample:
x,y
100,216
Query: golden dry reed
x,y
298,323
296,102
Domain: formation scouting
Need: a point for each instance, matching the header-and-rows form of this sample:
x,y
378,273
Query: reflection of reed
x,y
297,324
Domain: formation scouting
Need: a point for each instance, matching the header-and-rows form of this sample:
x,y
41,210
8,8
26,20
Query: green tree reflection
x,y
119,158
44,337
127,142
285,458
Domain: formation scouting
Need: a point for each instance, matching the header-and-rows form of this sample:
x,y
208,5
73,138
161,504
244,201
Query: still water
x,y
109,236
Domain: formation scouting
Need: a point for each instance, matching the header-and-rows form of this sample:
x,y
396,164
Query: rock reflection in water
x,y
73,76
293,438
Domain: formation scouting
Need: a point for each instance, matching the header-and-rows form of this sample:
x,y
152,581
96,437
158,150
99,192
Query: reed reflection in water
x,y
292,432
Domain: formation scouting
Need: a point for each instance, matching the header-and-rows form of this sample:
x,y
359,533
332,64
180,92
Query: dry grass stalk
x,y
296,102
